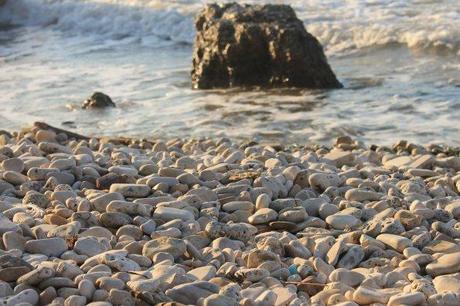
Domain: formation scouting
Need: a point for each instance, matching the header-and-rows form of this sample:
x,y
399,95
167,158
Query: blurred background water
x,y
399,62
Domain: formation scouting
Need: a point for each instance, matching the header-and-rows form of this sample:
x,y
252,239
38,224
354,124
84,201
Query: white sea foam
x,y
341,26
113,19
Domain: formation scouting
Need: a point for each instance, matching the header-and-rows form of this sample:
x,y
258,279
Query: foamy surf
x,y
340,26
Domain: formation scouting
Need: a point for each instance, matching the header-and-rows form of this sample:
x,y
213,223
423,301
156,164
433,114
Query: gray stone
x,y
191,293
50,247
173,246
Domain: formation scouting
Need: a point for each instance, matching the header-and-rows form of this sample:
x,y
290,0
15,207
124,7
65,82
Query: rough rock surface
x,y
98,100
257,45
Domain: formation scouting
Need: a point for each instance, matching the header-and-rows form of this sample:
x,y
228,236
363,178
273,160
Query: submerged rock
x,y
98,100
257,45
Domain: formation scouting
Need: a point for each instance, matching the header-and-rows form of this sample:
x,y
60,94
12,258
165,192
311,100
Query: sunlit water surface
x,y
399,62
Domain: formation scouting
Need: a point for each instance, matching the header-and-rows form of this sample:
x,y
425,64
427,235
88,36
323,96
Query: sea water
x,y
398,60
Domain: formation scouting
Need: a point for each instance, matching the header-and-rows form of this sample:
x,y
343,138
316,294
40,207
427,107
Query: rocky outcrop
x,y
257,45
98,100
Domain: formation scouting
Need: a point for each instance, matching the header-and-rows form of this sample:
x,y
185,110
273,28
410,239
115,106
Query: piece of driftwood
x,y
115,140
46,126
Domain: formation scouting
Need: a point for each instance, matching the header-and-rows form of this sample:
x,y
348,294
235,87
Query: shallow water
x,y
399,62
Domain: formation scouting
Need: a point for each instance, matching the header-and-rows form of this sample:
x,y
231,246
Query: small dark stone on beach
x,y
104,182
98,100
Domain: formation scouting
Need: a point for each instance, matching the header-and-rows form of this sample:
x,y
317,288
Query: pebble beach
x,y
199,221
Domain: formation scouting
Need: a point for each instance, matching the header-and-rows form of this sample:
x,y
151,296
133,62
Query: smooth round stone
x,y
441,246
347,277
66,230
342,221
13,240
131,231
29,296
324,180
115,219
53,247
365,296
447,283
445,264
131,190
444,299
101,202
257,257
4,186
47,296
454,209
45,136
224,242
312,206
192,292
56,282
14,177
352,257
129,208
63,196
54,219
219,300
173,246
5,289
40,174
169,213
63,164
188,179
396,242
7,226
97,231
91,246
64,177
361,195
408,219
11,274
327,209
333,254
294,214
108,283
262,216
412,298
100,295
34,161
13,164
167,181
263,201
253,274
203,273
283,225
283,295
86,288
238,205
121,170
121,298
148,227
75,300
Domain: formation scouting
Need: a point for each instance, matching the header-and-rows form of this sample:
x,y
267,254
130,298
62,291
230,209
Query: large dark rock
x,y
98,100
257,45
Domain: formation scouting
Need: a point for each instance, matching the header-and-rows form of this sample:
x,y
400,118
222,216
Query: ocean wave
x,y
112,19
341,26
